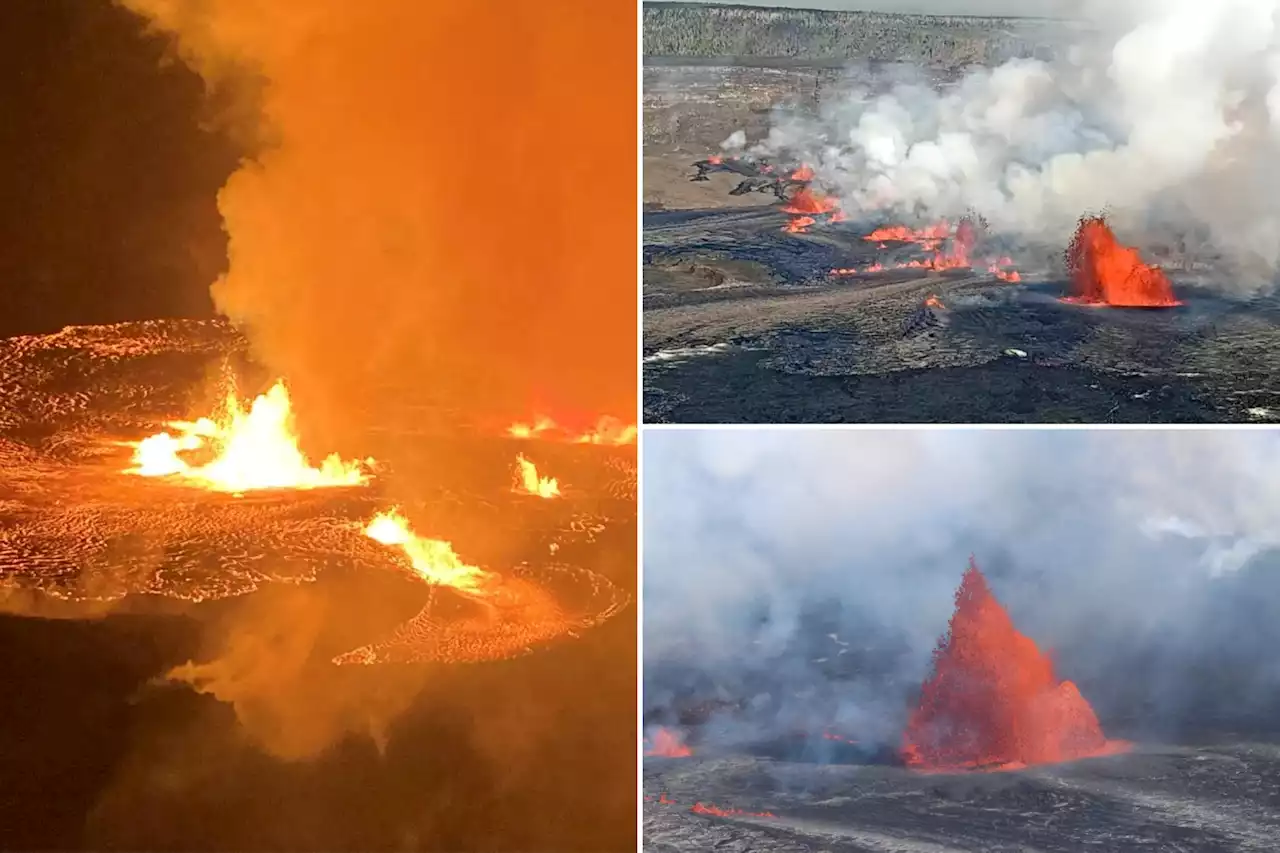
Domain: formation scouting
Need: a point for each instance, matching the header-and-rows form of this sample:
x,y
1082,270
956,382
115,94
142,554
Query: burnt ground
x,y
107,581
1210,794
745,324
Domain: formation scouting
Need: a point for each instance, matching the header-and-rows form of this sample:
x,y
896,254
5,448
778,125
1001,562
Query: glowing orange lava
x,y
992,701
806,202
715,159
244,448
1105,272
950,249
716,811
804,173
667,744
433,560
607,430
800,225
934,302
528,482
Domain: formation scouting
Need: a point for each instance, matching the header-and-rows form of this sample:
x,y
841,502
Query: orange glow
x,y
252,448
806,202
800,225
934,302
607,430
528,482
1106,272
715,159
716,811
667,744
951,249
432,559
804,173
993,701
539,426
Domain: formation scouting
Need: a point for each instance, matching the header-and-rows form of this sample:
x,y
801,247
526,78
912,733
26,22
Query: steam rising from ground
x,y
1166,113
412,221
1145,561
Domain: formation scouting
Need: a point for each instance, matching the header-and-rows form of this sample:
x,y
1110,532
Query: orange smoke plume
x,y
1106,272
992,699
353,267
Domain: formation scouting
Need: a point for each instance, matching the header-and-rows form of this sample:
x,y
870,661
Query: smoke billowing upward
x,y
805,578
421,217
1163,113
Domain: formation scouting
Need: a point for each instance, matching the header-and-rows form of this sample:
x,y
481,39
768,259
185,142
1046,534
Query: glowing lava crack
x,y
993,701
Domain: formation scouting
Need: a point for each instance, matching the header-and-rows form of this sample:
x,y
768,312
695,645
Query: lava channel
x,y
992,701
1105,272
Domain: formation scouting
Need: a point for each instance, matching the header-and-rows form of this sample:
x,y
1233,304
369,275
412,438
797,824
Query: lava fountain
x,y
992,700
1106,272
434,560
528,481
667,744
252,447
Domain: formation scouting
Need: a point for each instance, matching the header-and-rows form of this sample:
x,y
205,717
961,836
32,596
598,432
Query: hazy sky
x,y
937,7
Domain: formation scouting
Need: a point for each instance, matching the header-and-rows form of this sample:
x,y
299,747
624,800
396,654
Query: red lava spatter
x,y
667,744
706,808
992,701
1106,272
805,205
950,250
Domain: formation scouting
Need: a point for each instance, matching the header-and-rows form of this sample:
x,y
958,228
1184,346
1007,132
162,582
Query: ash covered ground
x,y
745,323
795,589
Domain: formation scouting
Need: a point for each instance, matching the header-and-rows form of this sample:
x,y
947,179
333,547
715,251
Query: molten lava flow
x,y
539,426
253,448
949,250
667,744
715,159
993,700
1105,272
934,302
716,811
804,173
806,202
607,430
434,560
528,482
800,225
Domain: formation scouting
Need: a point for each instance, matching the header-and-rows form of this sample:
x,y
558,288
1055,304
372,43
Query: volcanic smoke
x,y
1106,272
992,700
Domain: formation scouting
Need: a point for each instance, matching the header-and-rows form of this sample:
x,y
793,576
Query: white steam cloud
x,y
1165,113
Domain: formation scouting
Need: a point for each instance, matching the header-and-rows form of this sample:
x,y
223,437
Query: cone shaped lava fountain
x,y
992,700
1106,272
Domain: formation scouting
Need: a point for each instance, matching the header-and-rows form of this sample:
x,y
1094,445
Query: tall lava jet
x,y
993,700
1106,272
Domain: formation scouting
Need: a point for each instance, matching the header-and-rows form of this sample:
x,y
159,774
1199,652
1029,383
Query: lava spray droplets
x,y
992,700
668,744
1106,272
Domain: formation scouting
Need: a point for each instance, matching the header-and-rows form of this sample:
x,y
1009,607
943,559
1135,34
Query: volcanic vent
x,y
1106,272
992,700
